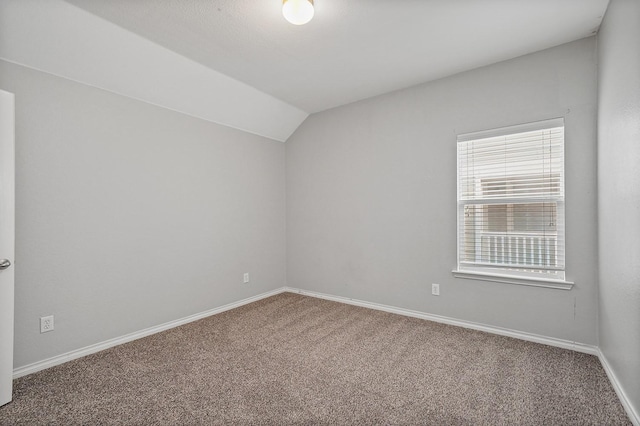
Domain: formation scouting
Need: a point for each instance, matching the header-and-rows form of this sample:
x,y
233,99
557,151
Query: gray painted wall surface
x,y
129,215
371,193
619,192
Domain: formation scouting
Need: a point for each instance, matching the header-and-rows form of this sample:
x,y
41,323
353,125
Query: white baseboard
x,y
87,350
622,396
551,341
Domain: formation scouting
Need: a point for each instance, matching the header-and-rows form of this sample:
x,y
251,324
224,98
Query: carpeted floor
x,y
292,359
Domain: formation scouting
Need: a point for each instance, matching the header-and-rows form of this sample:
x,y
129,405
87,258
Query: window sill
x,y
510,279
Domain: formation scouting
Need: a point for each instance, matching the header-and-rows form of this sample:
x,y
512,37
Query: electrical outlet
x,y
46,324
435,289
246,278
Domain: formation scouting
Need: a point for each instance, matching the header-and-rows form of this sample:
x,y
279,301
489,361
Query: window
x,y
511,201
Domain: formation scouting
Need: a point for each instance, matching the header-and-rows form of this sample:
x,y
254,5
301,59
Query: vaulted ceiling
x,y
351,50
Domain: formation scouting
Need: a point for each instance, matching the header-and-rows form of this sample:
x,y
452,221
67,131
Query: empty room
x,y
319,212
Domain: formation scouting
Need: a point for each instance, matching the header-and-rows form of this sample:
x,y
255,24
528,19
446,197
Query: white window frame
x,y
505,274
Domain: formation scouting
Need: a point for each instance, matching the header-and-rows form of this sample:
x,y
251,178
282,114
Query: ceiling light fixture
x,y
298,12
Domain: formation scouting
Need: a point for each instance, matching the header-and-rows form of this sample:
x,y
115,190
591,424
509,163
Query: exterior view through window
x,y
511,201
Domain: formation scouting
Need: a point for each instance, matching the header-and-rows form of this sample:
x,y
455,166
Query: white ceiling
x,y
240,64
61,39
352,49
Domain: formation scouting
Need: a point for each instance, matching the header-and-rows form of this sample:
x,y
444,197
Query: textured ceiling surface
x,y
352,49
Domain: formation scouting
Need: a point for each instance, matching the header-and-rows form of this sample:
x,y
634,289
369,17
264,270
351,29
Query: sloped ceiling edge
x,y
59,38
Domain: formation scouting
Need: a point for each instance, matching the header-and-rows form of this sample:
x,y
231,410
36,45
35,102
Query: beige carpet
x,y
291,359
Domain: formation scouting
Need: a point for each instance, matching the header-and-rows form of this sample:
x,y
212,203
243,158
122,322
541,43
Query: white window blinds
x,y
511,200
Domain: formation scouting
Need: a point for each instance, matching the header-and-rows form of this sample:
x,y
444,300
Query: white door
x,y
7,233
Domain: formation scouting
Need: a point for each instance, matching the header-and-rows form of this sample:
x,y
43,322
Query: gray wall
x,y
371,193
129,215
619,192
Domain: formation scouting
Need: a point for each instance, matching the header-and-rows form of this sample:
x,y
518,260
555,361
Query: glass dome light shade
x,y
298,12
